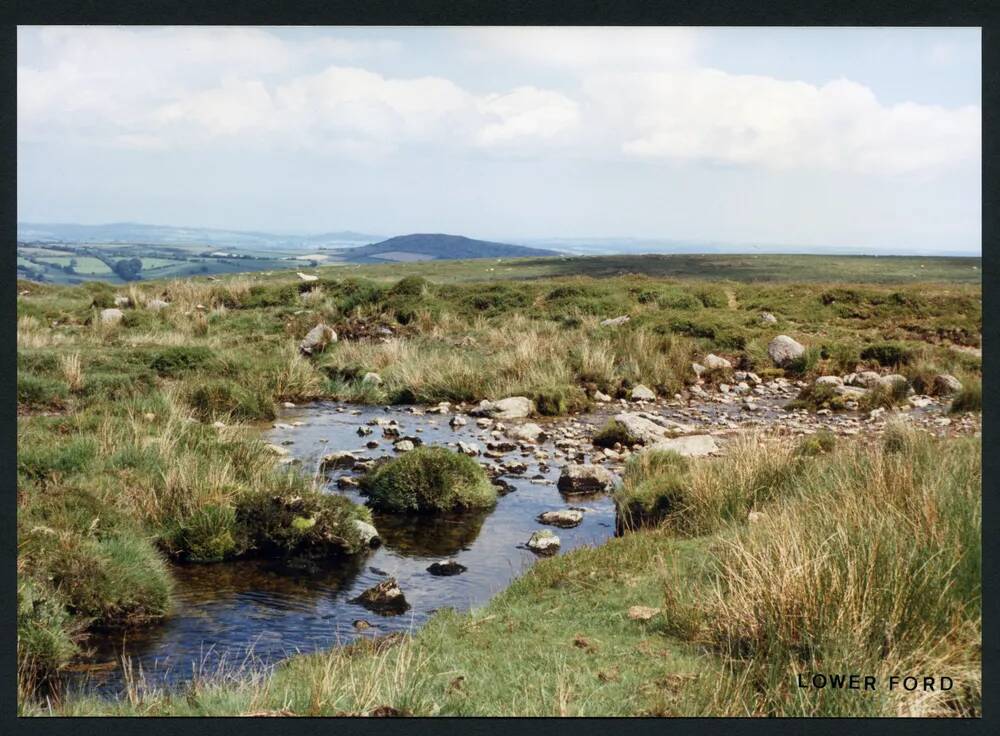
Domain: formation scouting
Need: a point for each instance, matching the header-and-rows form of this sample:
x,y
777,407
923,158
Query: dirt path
x,y
731,299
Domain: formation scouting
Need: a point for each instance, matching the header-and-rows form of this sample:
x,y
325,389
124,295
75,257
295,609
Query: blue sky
x,y
818,136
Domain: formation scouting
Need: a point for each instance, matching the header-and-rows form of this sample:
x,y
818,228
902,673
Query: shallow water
x,y
265,610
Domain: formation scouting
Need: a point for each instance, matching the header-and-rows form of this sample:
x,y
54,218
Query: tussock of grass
x,y
429,479
613,433
654,485
970,398
820,443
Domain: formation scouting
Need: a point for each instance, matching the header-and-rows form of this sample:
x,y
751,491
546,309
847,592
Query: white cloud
x,y
526,112
741,119
633,92
591,48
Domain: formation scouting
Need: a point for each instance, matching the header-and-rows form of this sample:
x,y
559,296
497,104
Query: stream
x,y
253,613
233,616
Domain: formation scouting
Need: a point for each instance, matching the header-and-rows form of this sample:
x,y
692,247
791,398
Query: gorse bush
x,y
429,479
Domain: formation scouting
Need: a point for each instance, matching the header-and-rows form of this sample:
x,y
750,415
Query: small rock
x,y
386,598
615,322
276,449
341,460
864,379
892,381
563,518
529,432
155,305
360,624
458,421
219,425
696,445
544,542
369,534
111,316
716,363
642,393
306,276
829,381
122,301
698,369
642,613
577,478
513,407
946,384
287,405
447,568
783,350
766,318
317,339
601,397
403,445
469,448
372,379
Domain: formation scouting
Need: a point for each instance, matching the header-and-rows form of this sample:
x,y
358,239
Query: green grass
x,y
842,571
970,398
118,459
429,479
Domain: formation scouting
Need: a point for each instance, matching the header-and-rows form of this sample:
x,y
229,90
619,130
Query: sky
x,y
808,136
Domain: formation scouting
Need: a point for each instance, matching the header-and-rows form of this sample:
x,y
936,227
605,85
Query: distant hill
x,y
436,246
138,233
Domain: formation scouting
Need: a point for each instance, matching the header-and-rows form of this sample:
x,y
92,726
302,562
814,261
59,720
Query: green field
x,y
107,495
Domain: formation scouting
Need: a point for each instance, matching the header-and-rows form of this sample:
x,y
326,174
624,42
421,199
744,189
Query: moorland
x,y
140,408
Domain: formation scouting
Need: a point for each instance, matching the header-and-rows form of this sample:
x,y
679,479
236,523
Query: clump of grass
x,y
110,578
429,479
208,535
819,396
970,398
884,396
888,354
214,398
819,443
176,360
654,485
40,392
613,433
299,523
72,371
849,580
46,633
560,400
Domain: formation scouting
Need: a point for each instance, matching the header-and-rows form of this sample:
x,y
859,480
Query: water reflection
x,y
427,536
